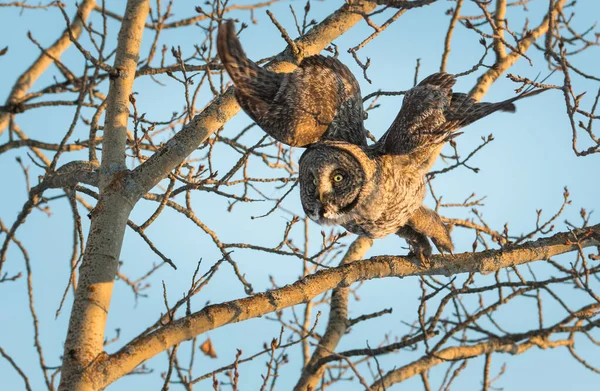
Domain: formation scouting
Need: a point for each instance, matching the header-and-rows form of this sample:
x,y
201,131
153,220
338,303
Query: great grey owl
x,y
371,190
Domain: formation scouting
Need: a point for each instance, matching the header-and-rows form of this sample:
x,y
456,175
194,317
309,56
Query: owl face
x,y
331,180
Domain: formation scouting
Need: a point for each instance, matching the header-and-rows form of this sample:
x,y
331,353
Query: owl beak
x,y
325,198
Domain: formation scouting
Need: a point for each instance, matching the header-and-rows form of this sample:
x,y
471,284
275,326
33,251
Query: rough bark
x,y
85,336
337,324
110,368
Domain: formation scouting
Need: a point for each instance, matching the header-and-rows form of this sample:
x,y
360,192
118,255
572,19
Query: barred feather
x,y
431,113
320,100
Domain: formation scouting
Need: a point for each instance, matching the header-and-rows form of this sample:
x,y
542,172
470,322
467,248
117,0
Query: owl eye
x,y
315,181
337,178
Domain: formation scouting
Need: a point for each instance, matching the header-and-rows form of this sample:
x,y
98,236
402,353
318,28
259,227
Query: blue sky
x,y
525,168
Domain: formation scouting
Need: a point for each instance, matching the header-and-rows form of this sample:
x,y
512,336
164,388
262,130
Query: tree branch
x,y
26,80
504,345
112,367
503,63
85,336
337,324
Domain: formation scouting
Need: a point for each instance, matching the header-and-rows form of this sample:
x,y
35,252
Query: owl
x,y
370,190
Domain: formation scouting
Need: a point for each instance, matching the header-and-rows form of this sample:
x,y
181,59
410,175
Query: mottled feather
x,y
320,100
431,112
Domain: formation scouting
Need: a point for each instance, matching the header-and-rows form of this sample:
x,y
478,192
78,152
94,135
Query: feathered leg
x,y
429,223
424,224
418,243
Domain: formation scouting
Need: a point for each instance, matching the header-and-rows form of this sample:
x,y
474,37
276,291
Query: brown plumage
x,y
431,113
369,190
320,100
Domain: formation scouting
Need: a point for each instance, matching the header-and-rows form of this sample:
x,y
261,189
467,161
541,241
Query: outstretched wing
x,y
431,113
320,100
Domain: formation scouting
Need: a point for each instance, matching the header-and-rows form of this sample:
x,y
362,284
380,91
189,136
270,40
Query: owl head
x,y
332,178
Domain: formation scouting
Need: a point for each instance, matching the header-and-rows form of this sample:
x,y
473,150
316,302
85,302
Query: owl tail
x,y
249,79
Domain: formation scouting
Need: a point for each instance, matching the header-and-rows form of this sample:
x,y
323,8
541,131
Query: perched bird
x,y
370,190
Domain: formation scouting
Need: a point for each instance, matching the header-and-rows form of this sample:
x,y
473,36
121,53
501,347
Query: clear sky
x,y
525,168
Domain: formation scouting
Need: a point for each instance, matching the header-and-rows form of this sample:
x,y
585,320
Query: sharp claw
x,y
424,260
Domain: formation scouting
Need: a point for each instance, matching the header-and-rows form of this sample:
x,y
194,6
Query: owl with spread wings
x,y
370,190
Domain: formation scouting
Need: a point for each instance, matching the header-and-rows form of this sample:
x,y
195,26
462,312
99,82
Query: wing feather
x,y
431,113
320,100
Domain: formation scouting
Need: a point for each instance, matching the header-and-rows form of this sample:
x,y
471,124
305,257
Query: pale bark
x,y
121,190
464,352
499,20
107,369
337,324
449,34
39,66
503,63
85,336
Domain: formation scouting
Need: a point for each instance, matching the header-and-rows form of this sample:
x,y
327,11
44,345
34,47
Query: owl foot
x,y
423,225
424,261
427,222
419,245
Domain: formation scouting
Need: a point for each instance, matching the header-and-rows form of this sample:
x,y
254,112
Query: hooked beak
x,y
320,208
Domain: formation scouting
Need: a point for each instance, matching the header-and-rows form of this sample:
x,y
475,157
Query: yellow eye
x,y
338,178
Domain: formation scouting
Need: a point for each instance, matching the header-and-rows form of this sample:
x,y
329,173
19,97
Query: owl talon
x,y
420,248
424,261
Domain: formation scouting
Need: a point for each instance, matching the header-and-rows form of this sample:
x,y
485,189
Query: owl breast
x,y
393,196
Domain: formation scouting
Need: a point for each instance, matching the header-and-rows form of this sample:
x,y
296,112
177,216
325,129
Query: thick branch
x,y
516,343
504,345
337,324
117,107
85,336
499,48
143,348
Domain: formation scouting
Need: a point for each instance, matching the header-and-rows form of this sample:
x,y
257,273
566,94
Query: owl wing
x,y
431,114
320,100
